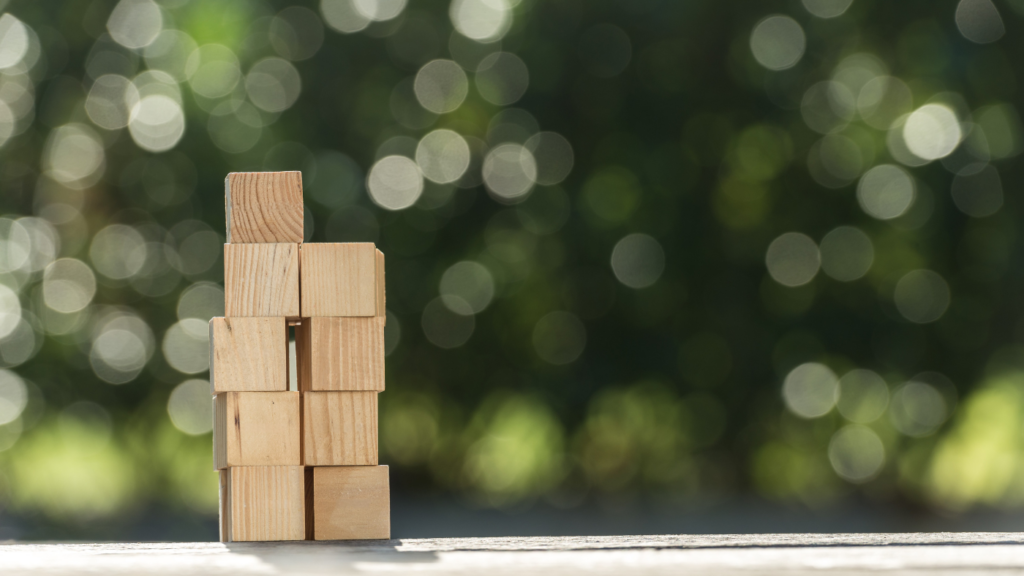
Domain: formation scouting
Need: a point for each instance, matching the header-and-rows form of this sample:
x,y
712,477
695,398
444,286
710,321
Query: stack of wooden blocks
x,y
296,464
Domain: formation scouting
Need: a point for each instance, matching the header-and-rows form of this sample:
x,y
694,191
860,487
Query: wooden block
x,y
339,280
261,280
339,428
256,429
248,355
340,354
263,207
381,304
262,503
351,503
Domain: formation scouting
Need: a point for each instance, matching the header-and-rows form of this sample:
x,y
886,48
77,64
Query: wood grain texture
x,y
339,279
256,429
913,554
263,503
339,428
225,506
261,280
263,207
381,292
248,355
351,503
341,354
220,431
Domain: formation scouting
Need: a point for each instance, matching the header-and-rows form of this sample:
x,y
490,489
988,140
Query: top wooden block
x,y
341,280
263,207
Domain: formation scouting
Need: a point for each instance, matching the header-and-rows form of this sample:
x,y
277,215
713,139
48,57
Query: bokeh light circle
x,y
186,345
932,131
74,156
202,300
856,453
467,283
559,338
273,84
296,33
847,253
68,285
922,296
342,16
917,409
553,155
886,191
443,156
863,396
395,182
157,123
793,259
379,10
441,86
509,171
135,23
122,344
502,78
110,101
979,21
778,42
11,312
827,8
190,407
14,41
118,251
443,326
481,20
810,390
638,260
978,190
13,396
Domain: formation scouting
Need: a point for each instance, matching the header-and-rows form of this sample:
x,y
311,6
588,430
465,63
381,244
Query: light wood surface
x,y
381,292
698,555
263,207
261,280
341,354
351,503
263,503
339,279
248,355
256,429
339,428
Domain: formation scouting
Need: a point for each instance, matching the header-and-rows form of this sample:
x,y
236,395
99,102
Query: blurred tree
x,y
682,248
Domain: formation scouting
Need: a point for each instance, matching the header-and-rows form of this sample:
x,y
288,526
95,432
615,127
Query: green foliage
x,y
629,330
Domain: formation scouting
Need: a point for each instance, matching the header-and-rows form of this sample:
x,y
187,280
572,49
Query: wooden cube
x,y
263,503
350,503
263,207
256,429
248,355
341,280
261,280
339,428
340,354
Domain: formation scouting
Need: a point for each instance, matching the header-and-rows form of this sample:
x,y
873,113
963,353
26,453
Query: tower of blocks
x,y
296,462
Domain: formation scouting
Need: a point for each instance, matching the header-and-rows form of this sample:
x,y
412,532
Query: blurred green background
x,y
680,252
